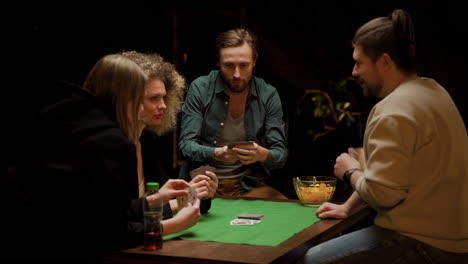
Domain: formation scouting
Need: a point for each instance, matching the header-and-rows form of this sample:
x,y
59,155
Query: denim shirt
x,y
205,110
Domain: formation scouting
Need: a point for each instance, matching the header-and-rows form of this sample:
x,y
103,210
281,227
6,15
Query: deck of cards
x,y
247,219
184,200
251,216
201,170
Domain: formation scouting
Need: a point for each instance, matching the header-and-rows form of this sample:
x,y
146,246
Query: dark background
x,y
300,48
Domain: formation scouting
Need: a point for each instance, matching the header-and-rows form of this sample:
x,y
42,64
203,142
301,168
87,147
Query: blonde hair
x,y
157,69
120,81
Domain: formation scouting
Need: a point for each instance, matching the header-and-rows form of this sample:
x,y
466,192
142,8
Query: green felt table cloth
x,y
282,220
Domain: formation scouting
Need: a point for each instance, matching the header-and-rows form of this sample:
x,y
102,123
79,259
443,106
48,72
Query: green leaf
x,y
338,105
346,105
342,115
317,112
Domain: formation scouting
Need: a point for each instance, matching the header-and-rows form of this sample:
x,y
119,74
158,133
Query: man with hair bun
x,y
416,152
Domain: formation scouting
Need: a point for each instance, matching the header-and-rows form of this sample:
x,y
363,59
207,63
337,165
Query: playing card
x,y
184,200
245,222
192,195
202,170
181,200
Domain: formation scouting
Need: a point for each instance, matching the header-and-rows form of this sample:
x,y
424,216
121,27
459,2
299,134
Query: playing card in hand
x,y
184,200
202,170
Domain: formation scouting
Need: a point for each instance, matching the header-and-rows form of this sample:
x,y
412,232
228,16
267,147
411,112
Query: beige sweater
x,y
416,174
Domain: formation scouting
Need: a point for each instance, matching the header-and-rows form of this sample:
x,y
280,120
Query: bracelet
x,y
347,177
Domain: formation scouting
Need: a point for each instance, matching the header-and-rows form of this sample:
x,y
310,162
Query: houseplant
x,y
336,106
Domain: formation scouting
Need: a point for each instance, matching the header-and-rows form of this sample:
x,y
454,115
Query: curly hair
x,y
158,69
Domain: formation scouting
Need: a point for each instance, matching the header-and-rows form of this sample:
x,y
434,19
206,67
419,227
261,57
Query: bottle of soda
x,y
152,211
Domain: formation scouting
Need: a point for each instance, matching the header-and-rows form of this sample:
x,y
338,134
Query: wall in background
x,y
300,48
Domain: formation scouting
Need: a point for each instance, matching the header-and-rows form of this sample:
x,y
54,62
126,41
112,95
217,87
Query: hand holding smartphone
x,y
234,143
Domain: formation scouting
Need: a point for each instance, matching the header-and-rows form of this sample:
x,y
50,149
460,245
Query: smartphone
x,y
234,143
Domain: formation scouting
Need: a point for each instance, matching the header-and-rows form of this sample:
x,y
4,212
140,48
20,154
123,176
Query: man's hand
x,y
225,155
331,210
250,153
343,163
339,211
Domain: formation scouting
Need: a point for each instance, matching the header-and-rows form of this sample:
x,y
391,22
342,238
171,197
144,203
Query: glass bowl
x,y
314,190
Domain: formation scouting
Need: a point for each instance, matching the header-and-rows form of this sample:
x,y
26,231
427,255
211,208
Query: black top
x,y
156,165
73,186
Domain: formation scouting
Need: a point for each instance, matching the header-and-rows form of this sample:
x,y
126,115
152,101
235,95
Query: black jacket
x,y
75,183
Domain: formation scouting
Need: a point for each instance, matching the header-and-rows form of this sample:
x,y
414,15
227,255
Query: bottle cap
x,y
152,186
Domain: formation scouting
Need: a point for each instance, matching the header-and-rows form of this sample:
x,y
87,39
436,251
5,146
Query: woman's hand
x,y
184,219
205,185
169,190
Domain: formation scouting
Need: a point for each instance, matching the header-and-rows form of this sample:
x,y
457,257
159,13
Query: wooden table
x,y
189,251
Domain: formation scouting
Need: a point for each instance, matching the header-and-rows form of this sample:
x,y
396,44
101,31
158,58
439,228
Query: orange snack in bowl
x,y
315,194
314,190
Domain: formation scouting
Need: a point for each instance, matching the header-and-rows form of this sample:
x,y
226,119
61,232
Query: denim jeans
x,y
378,245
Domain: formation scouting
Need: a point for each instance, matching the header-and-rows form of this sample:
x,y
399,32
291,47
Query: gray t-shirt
x,y
234,130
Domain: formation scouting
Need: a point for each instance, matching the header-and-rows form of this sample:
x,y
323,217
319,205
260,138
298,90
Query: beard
x,y
236,85
371,91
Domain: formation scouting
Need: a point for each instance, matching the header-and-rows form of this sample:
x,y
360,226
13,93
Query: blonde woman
x,y
76,181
